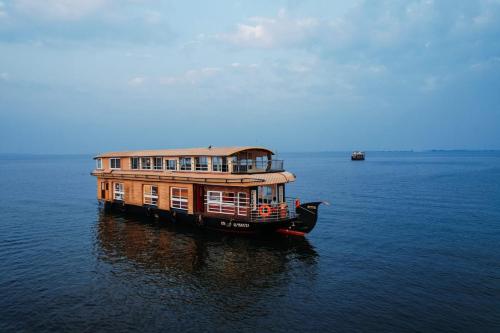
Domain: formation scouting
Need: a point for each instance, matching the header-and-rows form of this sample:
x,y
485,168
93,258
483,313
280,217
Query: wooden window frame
x,y
222,167
141,165
167,167
181,199
198,166
115,160
119,194
138,159
181,166
155,165
148,198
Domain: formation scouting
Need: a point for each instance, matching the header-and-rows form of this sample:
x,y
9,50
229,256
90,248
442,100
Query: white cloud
x,y
59,9
192,76
137,81
271,32
3,12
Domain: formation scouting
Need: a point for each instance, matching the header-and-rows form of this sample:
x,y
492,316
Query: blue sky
x,y
86,76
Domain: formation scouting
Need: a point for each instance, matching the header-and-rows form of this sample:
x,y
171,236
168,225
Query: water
x,y
410,242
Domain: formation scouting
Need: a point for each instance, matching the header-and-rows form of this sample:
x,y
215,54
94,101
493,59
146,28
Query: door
x,y
104,190
199,195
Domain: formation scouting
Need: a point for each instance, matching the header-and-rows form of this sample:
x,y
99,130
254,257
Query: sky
x,y
87,76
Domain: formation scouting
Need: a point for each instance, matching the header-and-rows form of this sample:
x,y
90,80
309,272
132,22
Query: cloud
x,y
191,77
268,32
369,24
3,12
58,22
137,81
59,9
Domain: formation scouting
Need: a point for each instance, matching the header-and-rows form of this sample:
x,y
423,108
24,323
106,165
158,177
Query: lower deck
x,y
258,203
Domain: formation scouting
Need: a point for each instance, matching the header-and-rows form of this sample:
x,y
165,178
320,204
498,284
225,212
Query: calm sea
x,y
410,242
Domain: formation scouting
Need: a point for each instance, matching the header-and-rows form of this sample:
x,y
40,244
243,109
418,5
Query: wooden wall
x,y
134,193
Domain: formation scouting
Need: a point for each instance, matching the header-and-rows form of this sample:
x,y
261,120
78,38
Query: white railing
x,y
240,205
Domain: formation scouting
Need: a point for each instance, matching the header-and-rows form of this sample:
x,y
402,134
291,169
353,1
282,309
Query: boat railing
x,y
257,166
240,205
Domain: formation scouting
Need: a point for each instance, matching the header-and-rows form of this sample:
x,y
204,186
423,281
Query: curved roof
x,y
212,151
200,178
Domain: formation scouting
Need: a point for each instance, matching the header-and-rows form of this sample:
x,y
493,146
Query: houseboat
x,y
358,156
232,189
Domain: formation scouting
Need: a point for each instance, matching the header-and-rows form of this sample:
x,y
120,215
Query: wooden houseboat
x,y
234,189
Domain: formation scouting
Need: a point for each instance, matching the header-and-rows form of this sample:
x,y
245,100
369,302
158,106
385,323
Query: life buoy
x,y
265,210
297,203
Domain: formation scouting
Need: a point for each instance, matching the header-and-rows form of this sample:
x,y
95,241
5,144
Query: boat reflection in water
x,y
207,267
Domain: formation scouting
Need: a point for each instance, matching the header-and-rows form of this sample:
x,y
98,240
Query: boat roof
x,y
208,151
199,178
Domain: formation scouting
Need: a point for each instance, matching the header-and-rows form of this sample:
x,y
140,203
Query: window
x,y
151,195
266,194
145,163
171,164
242,165
99,163
281,193
262,162
134,163
219,164
221,202
158,163
179,198
201,163
114,163
119,193
185,163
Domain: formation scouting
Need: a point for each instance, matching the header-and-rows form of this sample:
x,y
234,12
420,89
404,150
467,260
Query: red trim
x,y
290,232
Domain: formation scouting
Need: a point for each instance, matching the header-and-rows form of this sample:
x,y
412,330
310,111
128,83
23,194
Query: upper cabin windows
x,y
146,163
201,163
185,163
134,163
219,164
157,163
114,163
171,164
99,163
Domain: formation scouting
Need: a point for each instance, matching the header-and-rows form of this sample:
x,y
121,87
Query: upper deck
x,y
220,160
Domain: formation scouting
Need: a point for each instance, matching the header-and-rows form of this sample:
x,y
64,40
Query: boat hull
x,y
303,222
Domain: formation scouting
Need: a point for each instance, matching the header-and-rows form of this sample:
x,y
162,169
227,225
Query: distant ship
x,y
358,156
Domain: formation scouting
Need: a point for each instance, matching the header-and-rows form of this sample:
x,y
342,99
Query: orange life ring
x,y
267,211
297,203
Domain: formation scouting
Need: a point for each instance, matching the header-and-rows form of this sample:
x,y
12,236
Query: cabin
x,y
235,183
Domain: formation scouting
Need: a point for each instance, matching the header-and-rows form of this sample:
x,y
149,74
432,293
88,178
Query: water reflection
x,y
204,259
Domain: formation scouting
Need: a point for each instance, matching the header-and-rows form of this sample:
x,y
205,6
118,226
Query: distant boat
x,y
358,156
